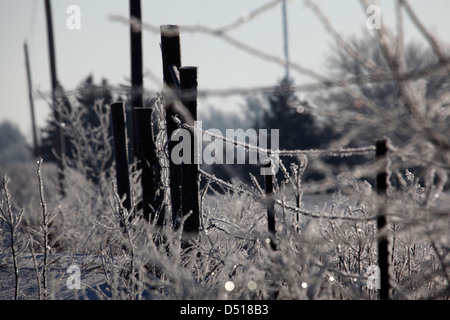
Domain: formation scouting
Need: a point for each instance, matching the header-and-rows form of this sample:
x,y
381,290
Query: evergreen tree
x,y
297,126
87,93
49,132
12,144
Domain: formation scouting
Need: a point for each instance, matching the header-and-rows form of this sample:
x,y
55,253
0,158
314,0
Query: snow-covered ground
x,y
92,280
92,277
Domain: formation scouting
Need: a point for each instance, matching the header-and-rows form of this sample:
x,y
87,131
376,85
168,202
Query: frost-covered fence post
x,y
121,152
171,56
270,202
146,153
382,185
190,171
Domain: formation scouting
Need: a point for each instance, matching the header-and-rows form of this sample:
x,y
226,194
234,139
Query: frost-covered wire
x,y
245,190
238,189
341,152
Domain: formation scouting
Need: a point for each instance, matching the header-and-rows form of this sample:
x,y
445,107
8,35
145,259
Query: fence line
x,y
173,93
180,105
180,87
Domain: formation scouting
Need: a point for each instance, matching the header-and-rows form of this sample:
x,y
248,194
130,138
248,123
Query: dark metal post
x,y
270,200
146,152
60,142
285,39
121,152
36,152
171,55
137,100
190,171
51,45
383,251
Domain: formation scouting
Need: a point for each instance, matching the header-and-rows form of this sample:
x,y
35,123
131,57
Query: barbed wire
x,y
341,152
242,189
238,189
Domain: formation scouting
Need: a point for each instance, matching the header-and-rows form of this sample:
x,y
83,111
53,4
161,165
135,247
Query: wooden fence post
x,y
270,200
383,251
121,152
190,171
171,56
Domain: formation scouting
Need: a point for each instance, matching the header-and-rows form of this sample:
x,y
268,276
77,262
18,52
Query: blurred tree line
x,y
13,147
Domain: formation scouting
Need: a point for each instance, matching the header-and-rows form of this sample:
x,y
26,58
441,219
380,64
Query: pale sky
x,y
101,46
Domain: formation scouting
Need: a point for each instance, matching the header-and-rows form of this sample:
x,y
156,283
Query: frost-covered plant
x,y
420,248
12,240
91,143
